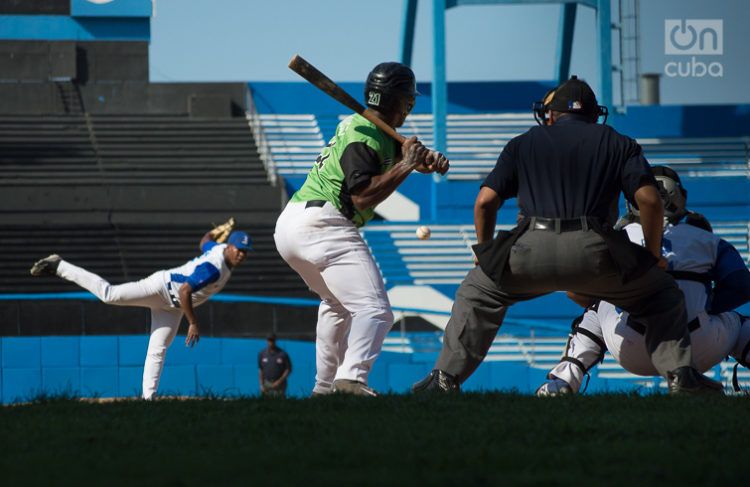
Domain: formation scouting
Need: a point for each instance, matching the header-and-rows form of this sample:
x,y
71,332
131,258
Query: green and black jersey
x,y
357,152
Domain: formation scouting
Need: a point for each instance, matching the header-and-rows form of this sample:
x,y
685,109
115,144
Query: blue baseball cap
x,y
241,240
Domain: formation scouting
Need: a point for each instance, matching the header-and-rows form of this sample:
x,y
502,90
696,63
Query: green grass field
x,y
469,439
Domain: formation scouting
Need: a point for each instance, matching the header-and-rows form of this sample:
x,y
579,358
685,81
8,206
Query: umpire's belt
x,y
559,224
641,328
315,204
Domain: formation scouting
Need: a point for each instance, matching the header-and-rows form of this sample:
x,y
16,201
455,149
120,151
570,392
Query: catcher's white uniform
x,y
696,257
207,274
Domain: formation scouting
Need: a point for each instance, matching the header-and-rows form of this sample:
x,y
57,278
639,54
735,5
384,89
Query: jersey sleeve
x,y
728,260
208,245
203,275
360,162
503,179
636,171
732,279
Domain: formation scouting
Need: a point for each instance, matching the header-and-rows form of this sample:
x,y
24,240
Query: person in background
x,y
274,368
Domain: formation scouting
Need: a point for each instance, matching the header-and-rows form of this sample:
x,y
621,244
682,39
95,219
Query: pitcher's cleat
x,y
46,266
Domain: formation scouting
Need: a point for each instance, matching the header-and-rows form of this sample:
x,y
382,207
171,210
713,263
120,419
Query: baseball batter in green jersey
x,y
361,148
317,233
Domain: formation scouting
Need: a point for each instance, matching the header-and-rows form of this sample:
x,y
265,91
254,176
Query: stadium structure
x,y
123,176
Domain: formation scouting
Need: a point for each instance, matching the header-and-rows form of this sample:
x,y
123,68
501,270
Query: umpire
x,y
567,175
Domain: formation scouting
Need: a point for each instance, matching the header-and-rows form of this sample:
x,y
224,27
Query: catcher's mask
x,y
673,194
387,84
573,96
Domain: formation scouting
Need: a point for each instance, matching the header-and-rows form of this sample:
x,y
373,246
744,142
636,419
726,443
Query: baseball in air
x,y
423,233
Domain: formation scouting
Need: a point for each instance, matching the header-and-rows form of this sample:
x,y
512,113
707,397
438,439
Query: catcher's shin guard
x,y
572,382
437,381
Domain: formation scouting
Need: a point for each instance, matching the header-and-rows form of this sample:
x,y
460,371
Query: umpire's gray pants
x,y
542,262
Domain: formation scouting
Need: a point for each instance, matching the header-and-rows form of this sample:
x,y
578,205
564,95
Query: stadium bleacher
x,y
123,150
294,141
475,140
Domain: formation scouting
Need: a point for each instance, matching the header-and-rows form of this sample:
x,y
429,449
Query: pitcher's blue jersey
x,y
207,274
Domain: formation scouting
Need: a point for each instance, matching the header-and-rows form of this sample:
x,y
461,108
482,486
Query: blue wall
x,y
112,366
61,28
115,8
118,20
684,121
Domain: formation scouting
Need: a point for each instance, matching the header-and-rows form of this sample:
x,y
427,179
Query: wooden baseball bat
x,y
323,82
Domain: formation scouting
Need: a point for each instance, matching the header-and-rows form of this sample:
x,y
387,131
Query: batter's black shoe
x,y
437,381
46,266
688,381
353,387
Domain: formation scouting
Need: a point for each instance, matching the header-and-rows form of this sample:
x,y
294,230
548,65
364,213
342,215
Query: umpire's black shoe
x,y
437,381
688,381
46,266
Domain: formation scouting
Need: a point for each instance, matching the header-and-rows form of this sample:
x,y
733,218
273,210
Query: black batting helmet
x,y
386,83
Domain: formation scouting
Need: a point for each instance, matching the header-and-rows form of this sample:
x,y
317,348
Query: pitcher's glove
x,y
220,234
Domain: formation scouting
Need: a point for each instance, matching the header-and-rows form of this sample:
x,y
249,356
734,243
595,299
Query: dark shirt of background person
x,y
274,366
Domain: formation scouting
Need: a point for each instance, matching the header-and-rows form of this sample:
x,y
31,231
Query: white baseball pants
x,y
327,251
147,293
717,337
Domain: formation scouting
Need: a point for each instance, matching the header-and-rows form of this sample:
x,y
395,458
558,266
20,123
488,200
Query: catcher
x,y
168,293
710,273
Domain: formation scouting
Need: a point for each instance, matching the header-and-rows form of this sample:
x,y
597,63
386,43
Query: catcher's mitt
x,y
220,234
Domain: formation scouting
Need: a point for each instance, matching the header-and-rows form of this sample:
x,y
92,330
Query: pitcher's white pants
x,y
327,251
717,337
147,293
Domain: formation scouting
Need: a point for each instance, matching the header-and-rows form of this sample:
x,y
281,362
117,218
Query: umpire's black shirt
x,y
570,169
273,362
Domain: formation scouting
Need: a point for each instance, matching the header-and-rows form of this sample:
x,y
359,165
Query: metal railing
x,y
264,150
